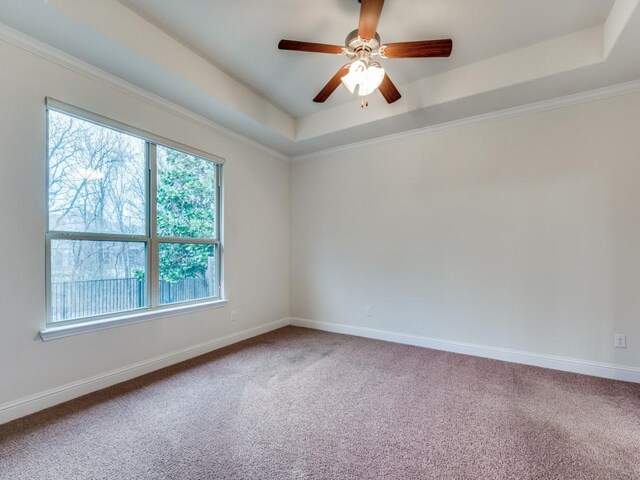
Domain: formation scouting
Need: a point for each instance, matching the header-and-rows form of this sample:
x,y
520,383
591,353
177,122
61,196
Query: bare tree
x,y
96,184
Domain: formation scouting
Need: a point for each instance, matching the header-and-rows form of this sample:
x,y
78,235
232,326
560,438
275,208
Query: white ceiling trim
x,y
144,39
121,24
570,52
558,55
58,57
118,39
43,50
543,106
616,22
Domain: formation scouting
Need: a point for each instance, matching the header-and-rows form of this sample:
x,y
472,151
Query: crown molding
x,y
47,52
52,54
531,108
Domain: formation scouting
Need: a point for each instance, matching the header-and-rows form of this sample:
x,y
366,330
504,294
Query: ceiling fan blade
x,y
309,47
424,48
330,87
389,90
370,11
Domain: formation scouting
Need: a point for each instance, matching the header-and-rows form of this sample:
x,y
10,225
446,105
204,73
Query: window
x,y
133,220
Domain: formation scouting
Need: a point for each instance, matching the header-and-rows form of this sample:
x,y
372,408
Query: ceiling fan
x,y
363,74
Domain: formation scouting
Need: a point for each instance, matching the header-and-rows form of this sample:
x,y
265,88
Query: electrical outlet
x,y
620,340
369,312
233,315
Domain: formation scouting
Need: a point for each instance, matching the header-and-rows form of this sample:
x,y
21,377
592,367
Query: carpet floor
x,y
303,404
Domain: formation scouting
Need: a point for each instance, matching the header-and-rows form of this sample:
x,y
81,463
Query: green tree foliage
x,y
186,208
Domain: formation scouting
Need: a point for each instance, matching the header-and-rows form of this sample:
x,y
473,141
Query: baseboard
x,y
585,367
39,401
33,403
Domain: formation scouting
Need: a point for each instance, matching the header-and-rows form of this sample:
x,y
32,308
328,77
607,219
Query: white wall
x,y
256,233
521,234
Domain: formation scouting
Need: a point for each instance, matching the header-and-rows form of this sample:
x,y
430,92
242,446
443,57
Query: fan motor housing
x,y
354,43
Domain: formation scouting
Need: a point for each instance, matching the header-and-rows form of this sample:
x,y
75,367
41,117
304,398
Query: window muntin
x,y
133,224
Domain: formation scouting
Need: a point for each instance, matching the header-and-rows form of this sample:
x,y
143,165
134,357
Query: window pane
x,y
91,278
97,180
187,272
186,195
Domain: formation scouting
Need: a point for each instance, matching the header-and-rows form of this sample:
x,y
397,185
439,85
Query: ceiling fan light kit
x,y
362,76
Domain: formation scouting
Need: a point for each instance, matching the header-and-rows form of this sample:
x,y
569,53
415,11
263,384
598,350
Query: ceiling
x,y
244,45
220,58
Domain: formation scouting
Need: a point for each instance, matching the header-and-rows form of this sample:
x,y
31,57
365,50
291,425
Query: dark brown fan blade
x,y
330,87
309,47
370,11
389,90
424,48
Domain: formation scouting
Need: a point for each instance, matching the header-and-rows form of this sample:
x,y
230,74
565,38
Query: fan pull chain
x,y
364,102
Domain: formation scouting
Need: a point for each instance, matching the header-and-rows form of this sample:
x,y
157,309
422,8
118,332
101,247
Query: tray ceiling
x,y
220,58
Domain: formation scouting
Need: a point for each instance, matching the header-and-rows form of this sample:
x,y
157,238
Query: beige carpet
x,y
301,404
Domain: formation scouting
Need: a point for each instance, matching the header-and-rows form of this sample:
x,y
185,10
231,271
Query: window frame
x,y
152,241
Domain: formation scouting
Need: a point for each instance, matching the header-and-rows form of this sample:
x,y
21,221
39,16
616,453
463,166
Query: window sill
x,y
53,333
